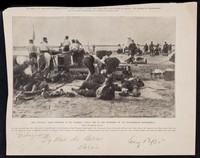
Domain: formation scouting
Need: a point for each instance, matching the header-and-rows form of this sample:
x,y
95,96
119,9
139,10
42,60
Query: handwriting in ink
x,y
146,141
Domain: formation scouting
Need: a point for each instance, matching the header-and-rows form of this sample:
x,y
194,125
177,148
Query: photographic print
x,y
94,67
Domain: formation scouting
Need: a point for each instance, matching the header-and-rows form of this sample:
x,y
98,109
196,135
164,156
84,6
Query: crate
x,y
64,61
169,75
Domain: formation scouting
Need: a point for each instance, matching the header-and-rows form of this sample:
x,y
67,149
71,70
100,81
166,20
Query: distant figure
x,y
44,56
157,49
146,48
132,49
32,50
139,51
61,47
93,48
151,48
170,48
123,48
120,49
129,41
165,48
66,44
126,50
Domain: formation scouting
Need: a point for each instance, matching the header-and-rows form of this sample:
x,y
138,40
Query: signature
x,y
146,141
88,142
88,147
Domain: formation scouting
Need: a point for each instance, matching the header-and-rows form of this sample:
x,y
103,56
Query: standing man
x,y
146,48
66,44
74,49
170,48
151,48
45,57
93,48
132,49
165,48
32,50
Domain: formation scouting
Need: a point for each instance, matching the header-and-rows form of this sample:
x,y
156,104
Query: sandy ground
x,y
156,100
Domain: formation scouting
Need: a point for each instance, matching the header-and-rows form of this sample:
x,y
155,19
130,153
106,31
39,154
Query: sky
x,y
94,30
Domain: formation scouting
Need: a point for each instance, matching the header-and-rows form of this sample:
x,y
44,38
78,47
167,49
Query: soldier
x,y
170,48
132,49
44,56
146,49
66,44
32,50
157,51
151,48
165,48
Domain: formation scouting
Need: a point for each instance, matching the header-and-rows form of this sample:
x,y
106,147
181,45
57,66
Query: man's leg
x,y
89,63
47,59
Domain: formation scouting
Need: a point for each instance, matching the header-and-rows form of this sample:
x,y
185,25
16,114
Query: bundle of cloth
x,y
101,53
60,77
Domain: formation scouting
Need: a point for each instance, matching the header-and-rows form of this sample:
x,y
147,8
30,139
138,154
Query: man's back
x,y
44,46
31,48
66,42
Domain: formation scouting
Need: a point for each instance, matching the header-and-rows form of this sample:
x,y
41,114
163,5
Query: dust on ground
x,y
157,98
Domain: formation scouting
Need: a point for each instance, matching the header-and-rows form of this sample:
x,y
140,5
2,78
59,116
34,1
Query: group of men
x,y
155,49
132,48
101,67
75,48
43,58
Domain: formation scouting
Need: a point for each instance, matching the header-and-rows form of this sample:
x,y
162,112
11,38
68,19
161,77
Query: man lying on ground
x,y
131,87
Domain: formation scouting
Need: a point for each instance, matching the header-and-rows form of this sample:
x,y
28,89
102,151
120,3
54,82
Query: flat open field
x,y
157,98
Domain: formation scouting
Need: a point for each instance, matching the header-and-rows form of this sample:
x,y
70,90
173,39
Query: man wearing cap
x,y
66,44
45,56
32,50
